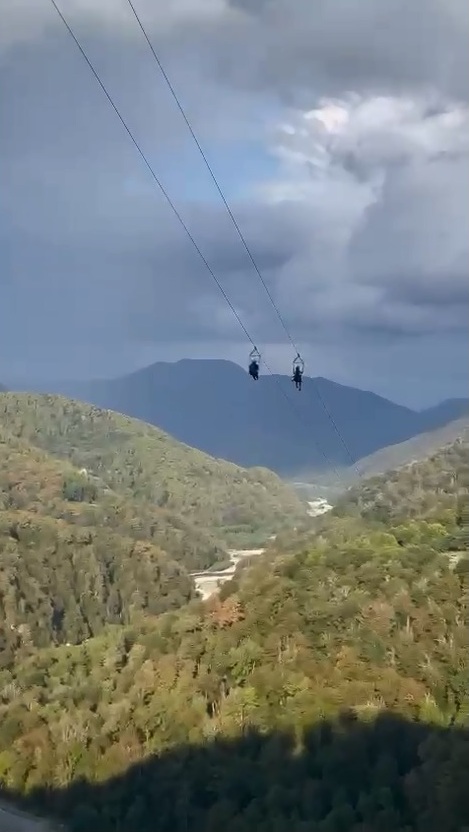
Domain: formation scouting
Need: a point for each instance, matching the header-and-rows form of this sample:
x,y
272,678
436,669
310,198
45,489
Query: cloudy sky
x,y
339,131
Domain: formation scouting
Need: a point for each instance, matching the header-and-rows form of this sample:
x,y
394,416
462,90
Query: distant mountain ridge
x,y
416,449
213,405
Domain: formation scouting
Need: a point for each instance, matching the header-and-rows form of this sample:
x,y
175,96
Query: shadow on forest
x,y
389,774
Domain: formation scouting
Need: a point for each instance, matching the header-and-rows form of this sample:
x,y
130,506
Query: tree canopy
x,y
102,518
237,506
324,688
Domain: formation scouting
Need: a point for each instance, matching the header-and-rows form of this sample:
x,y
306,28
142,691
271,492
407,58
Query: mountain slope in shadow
x,y
386,774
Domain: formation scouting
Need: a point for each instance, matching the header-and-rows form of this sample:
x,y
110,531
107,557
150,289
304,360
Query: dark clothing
x,y
254,370
298,378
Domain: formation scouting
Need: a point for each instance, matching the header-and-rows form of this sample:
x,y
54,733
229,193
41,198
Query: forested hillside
x,y
33,480
144,464
226,714
70,561
435,487
103,525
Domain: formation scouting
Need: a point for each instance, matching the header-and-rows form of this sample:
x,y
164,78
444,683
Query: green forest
x,y
324,689
108,517
150,469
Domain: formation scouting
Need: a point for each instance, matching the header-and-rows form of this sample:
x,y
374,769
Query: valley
x,y
209,582
170,620
78,483
234,416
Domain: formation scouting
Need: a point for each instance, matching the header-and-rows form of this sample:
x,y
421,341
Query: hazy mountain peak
x,y
213,405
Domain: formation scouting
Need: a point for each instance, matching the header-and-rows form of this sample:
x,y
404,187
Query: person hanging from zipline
x,y
298,370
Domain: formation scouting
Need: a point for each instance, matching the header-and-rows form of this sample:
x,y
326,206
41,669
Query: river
x,y
208,583
318,506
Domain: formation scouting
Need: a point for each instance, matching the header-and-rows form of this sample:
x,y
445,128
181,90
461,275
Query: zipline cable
x,y
212,174
178,215
150,168
236,225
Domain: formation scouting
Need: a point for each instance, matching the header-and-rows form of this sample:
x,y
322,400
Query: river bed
x,y
208,583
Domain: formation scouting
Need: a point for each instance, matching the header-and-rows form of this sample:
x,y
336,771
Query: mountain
x,y
441,414
412,450
324,688
102,515
144,464
433,488
32,480
215,406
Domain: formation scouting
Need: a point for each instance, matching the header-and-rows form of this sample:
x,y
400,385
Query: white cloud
x,y
384,183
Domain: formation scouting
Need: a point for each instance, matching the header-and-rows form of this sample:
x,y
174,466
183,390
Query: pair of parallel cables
x,y
190,235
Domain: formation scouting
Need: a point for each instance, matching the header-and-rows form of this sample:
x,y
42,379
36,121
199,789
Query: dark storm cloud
x,y
360,234
388,46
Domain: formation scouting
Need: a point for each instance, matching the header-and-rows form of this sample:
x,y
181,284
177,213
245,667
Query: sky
x,y
338,131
